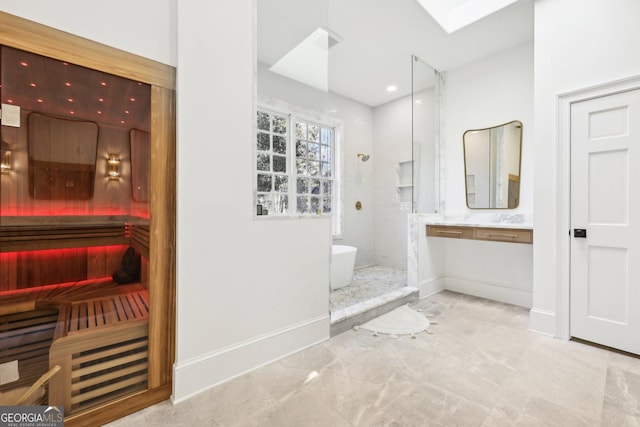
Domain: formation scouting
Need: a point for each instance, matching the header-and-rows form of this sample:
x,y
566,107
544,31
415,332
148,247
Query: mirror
x,y
62,157
492,166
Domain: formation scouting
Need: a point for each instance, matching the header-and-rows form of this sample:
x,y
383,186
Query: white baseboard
x,y
542,321
199,374
431,287
489,290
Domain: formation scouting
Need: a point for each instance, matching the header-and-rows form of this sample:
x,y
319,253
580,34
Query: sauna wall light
x,y
113,167
5,161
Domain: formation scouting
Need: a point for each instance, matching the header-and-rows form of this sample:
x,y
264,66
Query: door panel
x,y
605,266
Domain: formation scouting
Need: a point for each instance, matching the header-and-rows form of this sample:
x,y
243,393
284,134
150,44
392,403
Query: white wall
x,y
144,27
249,291
578,44
392,143
488,92
357,137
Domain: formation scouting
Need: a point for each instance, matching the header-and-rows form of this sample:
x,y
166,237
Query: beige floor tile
x,y
480,367
302,409
622,391
427,406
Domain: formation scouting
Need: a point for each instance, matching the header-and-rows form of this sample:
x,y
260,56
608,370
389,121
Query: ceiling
x,y
40,84
379,37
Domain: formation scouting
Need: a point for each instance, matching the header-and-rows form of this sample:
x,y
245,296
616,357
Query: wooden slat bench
x,y
102,346
26,337
96,330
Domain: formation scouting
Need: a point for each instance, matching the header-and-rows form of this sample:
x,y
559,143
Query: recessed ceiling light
x,y
40,100
67,84
392,88
32,84
24,64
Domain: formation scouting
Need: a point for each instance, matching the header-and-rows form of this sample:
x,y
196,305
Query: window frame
x,y
293,115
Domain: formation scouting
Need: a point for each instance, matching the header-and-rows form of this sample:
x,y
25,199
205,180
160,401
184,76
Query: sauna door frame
x,y
27,35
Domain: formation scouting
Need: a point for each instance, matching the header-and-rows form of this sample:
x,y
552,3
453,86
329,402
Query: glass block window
x,y
314,167
272,177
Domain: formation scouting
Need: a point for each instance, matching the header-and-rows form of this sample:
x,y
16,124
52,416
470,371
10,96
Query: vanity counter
x,y
497,234
495,228
485,254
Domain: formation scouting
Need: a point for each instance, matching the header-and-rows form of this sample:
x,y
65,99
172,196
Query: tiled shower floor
x,y
374,291
368,283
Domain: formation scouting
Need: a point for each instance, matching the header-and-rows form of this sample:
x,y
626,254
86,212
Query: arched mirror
x,y
492,166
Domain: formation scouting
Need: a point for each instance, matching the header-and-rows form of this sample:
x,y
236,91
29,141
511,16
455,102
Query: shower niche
x,y
88,132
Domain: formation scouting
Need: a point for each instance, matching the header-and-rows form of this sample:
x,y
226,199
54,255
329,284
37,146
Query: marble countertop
x,y
519,221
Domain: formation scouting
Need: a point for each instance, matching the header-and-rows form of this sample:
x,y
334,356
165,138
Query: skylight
x,y
453,15
308,62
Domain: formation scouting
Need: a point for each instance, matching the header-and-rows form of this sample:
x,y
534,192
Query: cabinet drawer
x,y
504,235
451,232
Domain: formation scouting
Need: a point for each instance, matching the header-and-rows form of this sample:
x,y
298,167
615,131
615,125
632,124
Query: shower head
x,y
363,157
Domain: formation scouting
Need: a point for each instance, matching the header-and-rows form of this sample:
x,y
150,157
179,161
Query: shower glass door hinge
x,y
10,115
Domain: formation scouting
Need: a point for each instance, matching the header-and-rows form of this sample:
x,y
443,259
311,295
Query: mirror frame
x,y
464,155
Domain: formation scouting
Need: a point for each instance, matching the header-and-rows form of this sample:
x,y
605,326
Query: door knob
x,y
579,232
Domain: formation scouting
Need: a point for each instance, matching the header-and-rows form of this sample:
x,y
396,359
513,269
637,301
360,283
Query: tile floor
x,y
368,282
481,367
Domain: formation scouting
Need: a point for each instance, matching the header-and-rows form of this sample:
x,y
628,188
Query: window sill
x,y
284,217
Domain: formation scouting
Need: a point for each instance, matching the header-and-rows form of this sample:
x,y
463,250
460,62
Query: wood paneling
x,y
163,237
49,236
119,407
37,269
51,253
37,38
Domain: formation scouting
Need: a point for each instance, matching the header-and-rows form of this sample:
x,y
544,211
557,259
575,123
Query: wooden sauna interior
x,y
88,146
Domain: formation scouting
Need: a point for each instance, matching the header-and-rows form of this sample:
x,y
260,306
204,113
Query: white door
x,y
605,202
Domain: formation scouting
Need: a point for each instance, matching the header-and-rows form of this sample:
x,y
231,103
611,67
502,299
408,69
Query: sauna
x,y
87,223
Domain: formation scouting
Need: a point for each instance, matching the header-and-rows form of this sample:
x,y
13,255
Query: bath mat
x,y
402,321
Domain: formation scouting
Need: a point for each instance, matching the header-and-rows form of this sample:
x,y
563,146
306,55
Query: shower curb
x,y
347,323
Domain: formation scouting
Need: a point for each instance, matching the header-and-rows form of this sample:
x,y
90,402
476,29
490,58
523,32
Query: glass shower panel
x,y
425,108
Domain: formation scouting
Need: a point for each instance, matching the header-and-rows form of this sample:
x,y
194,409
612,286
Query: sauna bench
x,y
26,233
472,232
84,305
96,330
